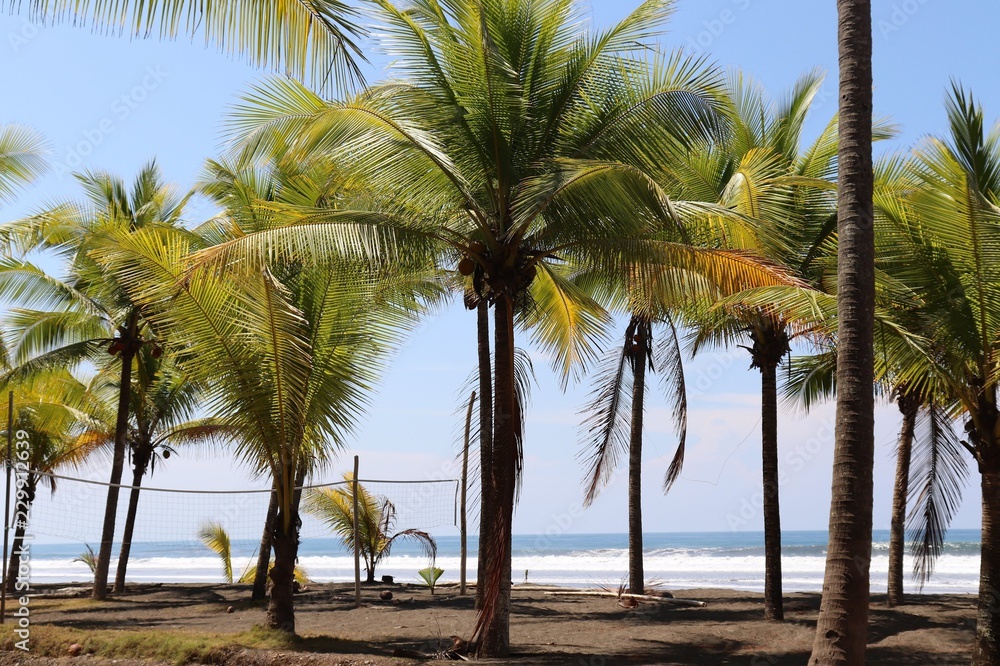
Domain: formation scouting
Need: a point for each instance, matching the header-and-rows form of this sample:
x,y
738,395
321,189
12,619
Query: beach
x,y
545,628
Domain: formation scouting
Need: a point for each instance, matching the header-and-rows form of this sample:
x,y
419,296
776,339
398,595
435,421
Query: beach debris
x,y
628,602
75,649
642,597
457,652
230,610
385,595
387,579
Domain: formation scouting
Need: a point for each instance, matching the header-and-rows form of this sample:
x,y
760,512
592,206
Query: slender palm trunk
x,y
264,552
773,607
485,444
636,576
140,461
842,628
987,650
21,526
897,528
494,620
118,461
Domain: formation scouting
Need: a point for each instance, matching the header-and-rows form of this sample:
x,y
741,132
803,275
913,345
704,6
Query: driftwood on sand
x,y
643,597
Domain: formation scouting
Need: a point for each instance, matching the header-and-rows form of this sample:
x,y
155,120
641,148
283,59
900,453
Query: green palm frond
x,y
22,158
216,539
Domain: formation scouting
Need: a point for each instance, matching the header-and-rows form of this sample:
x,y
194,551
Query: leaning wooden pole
x,y
6,505
357,541
465,484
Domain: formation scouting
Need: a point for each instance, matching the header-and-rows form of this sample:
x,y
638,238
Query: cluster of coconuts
x,y
118,345
467,265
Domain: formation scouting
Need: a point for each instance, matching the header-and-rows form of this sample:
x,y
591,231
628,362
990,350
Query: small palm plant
x,y
430,576
376,522
215,537
88,557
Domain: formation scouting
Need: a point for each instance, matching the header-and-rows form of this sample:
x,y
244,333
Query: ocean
x,y
733,560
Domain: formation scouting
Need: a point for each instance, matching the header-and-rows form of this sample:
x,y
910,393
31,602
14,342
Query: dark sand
x,y
578,631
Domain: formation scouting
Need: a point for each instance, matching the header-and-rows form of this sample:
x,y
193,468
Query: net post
x,y
357,541
465,485
6,505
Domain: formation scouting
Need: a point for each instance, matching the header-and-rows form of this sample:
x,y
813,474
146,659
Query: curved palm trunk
x,y
140,462
773,607
21,526
118,462
485,444
635,573
264,552
842,628
493,624
987,650
897,529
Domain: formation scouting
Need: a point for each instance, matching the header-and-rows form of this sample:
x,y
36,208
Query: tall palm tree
x,y
21,158
951,230
69,321
311,40
515,142
53,408
842,629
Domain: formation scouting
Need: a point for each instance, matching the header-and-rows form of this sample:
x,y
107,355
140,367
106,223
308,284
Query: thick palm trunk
x,y
494,621
773,607
987,650
842,628
636,576
140,461
264,552
14,561
285,543
897,529
485,444
117,464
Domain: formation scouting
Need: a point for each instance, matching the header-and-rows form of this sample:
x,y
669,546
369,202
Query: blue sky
x,y
114,103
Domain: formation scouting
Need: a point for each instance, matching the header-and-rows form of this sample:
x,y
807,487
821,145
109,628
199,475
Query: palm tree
x,y
290,367
91,310
215,537
163,404
52,408
516,142
842,629
376,522
21,158
951,230
311,40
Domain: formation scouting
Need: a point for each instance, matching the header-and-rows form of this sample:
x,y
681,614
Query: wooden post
x,y
357,542
6,505
465,483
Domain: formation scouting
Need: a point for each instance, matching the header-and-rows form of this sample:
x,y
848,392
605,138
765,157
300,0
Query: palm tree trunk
x,y
987,649
493,623
139,463
897,529
118,460
285,542
636,576
842,628
264,553
773,607
485,444
14,561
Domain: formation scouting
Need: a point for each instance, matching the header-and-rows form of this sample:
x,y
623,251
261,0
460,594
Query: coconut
x,y
466,266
